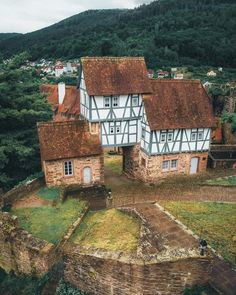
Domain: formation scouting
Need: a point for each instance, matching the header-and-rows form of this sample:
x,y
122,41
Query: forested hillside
x,y
22,106
166,32
5,36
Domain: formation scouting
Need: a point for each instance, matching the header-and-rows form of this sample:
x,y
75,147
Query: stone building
x,y
164,126
70,154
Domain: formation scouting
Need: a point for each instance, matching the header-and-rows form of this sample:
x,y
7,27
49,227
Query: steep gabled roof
x,y
178,104
115,75
69,139
71,103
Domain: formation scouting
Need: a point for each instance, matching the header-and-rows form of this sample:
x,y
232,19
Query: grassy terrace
x,y
215,222
223,181
113,163
110,230
49,222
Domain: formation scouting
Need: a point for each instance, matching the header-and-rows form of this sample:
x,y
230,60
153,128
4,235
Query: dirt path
x,y
31,201
126,191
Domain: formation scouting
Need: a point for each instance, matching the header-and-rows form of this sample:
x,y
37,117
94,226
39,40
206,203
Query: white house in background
x,y
211,74
178,76
163,126
59,69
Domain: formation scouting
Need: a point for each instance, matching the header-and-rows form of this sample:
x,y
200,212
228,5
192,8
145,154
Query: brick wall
x,y
21,252
54,171
100,276
149,168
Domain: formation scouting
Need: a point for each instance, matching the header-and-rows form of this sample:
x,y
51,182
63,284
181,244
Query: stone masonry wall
x,y
54,171
106,276
149,168
21,252
21,191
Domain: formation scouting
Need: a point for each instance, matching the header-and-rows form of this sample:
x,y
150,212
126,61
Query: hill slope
x,y
166,32
5,36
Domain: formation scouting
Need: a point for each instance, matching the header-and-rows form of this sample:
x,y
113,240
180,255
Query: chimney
x,y
61,92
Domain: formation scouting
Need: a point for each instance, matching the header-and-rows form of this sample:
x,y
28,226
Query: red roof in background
x,y
71,103
115,75
65,140
177,104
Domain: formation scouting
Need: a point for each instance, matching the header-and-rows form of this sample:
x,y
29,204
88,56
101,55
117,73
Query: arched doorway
x,y
87,175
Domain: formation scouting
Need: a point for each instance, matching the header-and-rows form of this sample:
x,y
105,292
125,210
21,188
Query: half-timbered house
x,y
163,126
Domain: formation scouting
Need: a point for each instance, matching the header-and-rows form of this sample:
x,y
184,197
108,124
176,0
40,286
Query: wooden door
x,y
194,165
87,175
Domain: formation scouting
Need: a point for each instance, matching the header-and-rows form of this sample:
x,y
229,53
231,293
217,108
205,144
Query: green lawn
x,y
114,163
225,181
215,222
50,194
49,222
110,230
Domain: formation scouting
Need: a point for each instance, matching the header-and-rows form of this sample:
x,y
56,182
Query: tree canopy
x,y
21,107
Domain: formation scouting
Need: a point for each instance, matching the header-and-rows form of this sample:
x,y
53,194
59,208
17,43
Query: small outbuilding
x,y
70,154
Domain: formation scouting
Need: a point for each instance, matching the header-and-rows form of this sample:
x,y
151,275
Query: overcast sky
x,y
24,16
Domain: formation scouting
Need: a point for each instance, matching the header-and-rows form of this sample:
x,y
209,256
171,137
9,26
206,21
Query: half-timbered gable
x,y
178,118
111,94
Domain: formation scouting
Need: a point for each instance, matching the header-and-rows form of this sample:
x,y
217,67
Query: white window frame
x,y
200,135
143,133
164,166
193,136
115,104
163,137
118,127
170,136
135,100
107,101
175,167
68,168
112,130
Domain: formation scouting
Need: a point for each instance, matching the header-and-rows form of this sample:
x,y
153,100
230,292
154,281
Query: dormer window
x,y
106,101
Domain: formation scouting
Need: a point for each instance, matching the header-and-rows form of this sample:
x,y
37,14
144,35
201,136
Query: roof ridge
x,y
175,80
113,57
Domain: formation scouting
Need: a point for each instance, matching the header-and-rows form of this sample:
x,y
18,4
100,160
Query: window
x,y
118,127
193,136
174,164
111,130
165,165
163,137
68,169
143,133
135,100
115,101
106,101
169,137
200,135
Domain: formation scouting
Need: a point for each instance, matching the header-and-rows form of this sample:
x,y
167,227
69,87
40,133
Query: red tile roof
x,y
64,140
178,104
115,75
71,103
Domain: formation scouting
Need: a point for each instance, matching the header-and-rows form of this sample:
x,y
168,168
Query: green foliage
x,y
200,290
49,223
22,106
11,284
166,32
51,194
224,181
66,289
230,118
31,177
